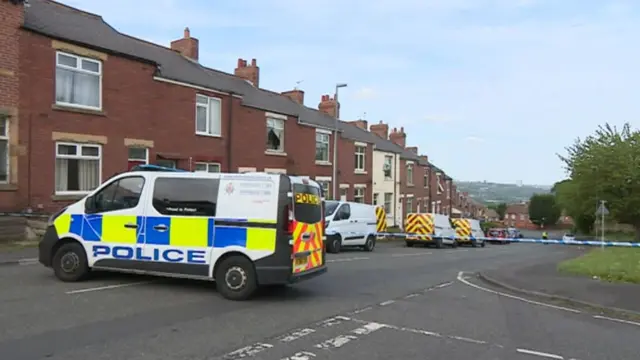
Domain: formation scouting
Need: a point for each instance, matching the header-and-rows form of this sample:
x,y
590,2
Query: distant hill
x,y
488,193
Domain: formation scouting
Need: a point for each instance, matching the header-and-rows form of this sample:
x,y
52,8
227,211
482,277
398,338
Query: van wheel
x,y
335,243
474,243
409,244
454,244
483,244
70,263
439,243
236,278
370,244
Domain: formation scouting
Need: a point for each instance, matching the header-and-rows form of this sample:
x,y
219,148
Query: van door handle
x,y
131,226
160,227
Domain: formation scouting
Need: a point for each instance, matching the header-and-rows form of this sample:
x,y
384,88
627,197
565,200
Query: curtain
x,y
62,174
88,174
74,87
77,175
4,160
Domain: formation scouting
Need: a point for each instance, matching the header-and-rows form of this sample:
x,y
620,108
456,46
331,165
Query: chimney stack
x,y
250,73
187,46
362,124
380,129
328,105
295,95
413,149
398,137
424,159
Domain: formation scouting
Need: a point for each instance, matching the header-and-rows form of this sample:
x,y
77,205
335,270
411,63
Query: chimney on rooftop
x,y
413,149
380,129
250,72
362,124
187,46
328,105
296,95
398,137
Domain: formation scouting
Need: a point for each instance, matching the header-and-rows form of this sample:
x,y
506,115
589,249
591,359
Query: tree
x,y
604,166
500,209
568,199
543,209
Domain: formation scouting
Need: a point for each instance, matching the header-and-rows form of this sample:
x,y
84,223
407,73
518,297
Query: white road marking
x,y
29,261
108,287
295,335
302,355
541,354
368,328
411,296
333,321
412,254
616,320
359,311
336,342
462,338
444,285
247,351
388,302
348,259
466,282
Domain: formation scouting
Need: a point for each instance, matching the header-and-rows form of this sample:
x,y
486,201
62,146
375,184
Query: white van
x,y
350,224
442,229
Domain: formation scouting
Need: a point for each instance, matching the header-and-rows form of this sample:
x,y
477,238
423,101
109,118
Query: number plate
x,y
300,261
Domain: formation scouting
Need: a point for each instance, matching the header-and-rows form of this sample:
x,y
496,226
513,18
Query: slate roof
x,y
62,22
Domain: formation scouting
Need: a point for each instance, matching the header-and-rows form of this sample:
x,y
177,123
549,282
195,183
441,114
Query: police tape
x,y
522,240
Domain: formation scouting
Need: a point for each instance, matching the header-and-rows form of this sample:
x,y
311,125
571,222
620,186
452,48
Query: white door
x,y
400,216
343,194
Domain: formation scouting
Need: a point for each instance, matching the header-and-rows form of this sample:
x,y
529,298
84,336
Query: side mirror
x,y
90,204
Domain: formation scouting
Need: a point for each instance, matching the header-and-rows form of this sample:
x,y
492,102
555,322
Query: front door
x,y
115,222
343,194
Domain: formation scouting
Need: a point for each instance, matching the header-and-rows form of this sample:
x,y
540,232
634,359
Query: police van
x,y
239,230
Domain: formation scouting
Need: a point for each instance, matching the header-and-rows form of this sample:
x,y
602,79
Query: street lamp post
x,y
335,142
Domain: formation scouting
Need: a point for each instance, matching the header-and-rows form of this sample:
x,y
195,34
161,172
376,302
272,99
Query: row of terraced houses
x,y
80,101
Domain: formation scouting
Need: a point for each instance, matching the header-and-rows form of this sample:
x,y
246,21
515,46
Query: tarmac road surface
x,y
394,303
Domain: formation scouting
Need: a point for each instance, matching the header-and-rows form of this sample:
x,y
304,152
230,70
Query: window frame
x,y
410,168
5,137
80,70
438,184
390,177
327,143
356,190
362,155
207,164
276,121
77,157
409,205
388,206
425,179
207,107
130,159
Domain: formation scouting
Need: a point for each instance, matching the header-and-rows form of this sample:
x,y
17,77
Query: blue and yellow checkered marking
x,y
181,231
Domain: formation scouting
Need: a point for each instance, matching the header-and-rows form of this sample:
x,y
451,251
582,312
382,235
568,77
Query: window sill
x,y
67,197
275,153
410,185
323,163
360,172
78,110
8,187
208,135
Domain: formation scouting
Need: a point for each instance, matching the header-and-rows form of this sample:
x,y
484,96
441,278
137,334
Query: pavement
x,y
543,279
393,303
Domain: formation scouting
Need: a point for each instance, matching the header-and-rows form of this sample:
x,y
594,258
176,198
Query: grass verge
x,y
18,245
610,264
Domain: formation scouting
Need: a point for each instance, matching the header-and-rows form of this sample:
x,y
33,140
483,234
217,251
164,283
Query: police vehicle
x,y
240,230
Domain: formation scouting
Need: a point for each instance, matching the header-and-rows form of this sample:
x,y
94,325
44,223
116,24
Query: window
x,y
325,187
78,81
521,216
4,149
388,160
309,213
137,156
167,163
358,195
208,116
343,194
409,205
207,167
410,174
322,147
360,156
119,195
439,191
375,198
344,213
78,168
275,135
186,197
425,179
388,197
448,189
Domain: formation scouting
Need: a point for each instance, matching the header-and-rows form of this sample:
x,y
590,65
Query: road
x,y
394,303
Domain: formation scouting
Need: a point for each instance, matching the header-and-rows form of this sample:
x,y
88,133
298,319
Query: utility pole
x,y
335,143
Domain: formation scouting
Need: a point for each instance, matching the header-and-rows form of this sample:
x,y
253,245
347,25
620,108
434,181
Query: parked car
x,y
568,237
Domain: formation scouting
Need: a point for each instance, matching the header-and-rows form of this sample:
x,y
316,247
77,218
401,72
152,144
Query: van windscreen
x,y
307,207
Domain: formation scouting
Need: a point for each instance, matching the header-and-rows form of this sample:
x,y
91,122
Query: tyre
x,y
70,262
335,244
409,243
439,243
483,244
370,244
454,244
474,243
236,278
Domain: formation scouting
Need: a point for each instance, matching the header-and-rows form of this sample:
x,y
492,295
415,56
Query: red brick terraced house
x,y
81,101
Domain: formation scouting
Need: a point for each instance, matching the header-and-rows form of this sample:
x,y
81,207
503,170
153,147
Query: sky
x,y
488,89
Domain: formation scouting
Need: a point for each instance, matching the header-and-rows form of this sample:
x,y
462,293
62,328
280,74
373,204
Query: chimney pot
x,y
187,33
251,74
254,63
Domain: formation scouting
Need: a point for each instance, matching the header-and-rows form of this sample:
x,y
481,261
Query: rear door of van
x,y
307,225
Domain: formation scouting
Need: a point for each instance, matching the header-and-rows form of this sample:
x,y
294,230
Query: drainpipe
x,y
230,127
395,192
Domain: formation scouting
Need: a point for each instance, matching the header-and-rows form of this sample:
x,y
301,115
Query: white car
x,y
568,237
